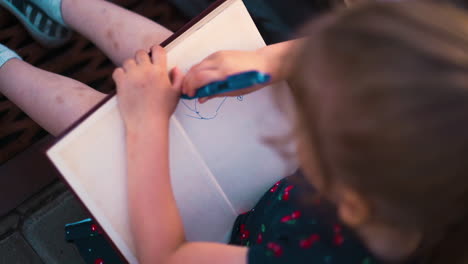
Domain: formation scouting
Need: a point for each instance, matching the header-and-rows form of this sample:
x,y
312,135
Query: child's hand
x,y
220,65
144,89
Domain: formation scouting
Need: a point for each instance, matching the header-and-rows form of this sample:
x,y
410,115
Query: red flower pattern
x,y
275,248
338,238
96,228
286,192
289,218
259,238
275,187
244,233
309,242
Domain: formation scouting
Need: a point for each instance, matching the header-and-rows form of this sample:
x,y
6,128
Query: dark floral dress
x,y
281,228
290,225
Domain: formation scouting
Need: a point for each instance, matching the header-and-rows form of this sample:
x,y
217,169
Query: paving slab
x,y
44,230
48,194
15,250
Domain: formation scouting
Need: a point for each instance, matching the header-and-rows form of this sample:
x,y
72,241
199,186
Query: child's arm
x,y
147,99
274,59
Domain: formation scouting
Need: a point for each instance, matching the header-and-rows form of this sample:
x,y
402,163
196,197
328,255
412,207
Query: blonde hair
x,y
390,116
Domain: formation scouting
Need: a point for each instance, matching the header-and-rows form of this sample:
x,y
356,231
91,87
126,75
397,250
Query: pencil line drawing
x,y
196,113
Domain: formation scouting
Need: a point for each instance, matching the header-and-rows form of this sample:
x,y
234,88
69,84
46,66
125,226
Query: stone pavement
x,y
33,233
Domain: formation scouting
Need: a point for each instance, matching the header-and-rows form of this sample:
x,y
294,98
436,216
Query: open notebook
x,y
219,165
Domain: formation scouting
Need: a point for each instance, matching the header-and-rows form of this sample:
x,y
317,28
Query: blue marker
x,y
232,83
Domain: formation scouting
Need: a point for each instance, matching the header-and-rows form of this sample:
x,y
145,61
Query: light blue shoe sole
x,y
42,28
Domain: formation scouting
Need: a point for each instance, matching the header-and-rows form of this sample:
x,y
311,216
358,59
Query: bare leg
x,y
116,31
53,101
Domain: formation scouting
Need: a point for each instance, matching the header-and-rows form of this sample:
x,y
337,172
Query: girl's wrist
x,y
270,62
147,125
279,58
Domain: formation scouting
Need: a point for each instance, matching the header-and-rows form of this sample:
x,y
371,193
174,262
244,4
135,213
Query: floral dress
x,y
290,225
282,228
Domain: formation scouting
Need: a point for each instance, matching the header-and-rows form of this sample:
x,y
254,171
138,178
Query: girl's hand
x,y
276,60
144,89
219,66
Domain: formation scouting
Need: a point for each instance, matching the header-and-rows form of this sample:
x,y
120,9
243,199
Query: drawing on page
x,y
199,114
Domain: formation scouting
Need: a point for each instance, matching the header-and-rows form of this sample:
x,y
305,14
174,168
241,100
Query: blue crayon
x,y
232,83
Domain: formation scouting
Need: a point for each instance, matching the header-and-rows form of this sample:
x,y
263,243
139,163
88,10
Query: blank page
x,y
228,132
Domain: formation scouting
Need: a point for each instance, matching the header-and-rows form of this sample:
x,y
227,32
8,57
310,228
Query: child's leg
x,y
53,101
115,30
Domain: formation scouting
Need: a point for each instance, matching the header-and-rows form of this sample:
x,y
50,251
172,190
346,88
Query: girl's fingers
x,y
177,77
205,99
118,74
231,94
142,57
199,79
154,54
128,64
158,56
202,66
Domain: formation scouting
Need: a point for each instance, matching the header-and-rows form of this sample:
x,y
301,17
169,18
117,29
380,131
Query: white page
x,y
91,158
229,137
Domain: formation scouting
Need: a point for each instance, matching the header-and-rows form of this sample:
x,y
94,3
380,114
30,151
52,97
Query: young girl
x,y
381,101
379,95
